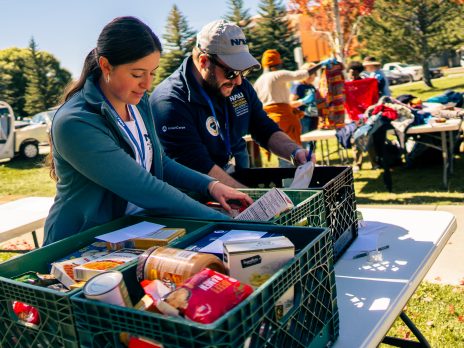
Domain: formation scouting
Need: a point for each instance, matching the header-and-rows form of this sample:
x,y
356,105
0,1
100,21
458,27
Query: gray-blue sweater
x,y
98,174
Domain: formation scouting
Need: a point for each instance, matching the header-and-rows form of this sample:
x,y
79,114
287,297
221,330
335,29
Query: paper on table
x,y
367,239
134,231
217,246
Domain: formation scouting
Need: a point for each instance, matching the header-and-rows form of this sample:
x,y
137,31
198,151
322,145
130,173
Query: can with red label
x,y
108,287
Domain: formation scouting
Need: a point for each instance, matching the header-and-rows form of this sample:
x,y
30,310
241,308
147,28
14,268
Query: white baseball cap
x,y
228,42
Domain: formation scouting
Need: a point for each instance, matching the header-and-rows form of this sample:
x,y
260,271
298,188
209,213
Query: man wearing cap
x,y
206,106
372,69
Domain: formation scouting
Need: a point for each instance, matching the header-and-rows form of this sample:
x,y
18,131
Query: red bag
x,y
207,295
359,95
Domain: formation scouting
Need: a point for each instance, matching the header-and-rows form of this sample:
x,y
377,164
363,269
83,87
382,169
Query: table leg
x,y
327,151
34,237
451,151
444,151
399,342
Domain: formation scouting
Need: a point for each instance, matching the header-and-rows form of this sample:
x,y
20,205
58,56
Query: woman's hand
x,y
222,193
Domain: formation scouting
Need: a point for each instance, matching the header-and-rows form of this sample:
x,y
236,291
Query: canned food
x,y
108,287
173,266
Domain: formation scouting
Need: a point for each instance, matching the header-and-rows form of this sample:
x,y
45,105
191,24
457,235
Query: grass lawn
x,y
419,89
437,310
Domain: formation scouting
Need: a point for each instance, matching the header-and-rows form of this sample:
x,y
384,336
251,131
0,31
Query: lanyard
x,y
226,138
138,146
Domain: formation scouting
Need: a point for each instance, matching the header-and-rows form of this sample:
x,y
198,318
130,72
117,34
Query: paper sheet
x,y
141,229
303,175
217,246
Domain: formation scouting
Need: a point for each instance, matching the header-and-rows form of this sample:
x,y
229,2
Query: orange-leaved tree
x,y
338,20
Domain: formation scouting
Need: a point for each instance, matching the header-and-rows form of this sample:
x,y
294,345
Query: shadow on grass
x,y
410,184
22,163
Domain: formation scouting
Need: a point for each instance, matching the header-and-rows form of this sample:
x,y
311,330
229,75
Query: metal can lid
x,y
140,271
102,283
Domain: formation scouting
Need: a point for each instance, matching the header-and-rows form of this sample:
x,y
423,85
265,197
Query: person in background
x,y
372,69
206,106
106,157
300,90
354,71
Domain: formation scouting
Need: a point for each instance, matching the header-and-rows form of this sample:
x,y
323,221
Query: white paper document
x,y
217,246
141,229
303,175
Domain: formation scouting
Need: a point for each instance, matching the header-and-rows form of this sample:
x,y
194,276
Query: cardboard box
x,y
213,242
161,237
105,263
273,203
255,261
64,270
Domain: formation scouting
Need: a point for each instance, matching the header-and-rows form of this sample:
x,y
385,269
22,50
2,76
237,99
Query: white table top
x,y
371,297
318,134
451,124
22,216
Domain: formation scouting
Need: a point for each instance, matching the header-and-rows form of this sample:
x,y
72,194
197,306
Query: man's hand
x,y
301,157
222,193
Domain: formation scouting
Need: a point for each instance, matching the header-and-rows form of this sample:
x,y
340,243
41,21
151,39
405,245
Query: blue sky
x,y
69,29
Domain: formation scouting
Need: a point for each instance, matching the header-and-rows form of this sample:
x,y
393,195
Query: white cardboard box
x,y
255,261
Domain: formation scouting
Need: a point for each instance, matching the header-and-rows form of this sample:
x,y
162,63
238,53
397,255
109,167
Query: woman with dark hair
x,y
106,156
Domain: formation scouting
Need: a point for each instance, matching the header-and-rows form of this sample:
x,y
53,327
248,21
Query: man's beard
x,y
211,85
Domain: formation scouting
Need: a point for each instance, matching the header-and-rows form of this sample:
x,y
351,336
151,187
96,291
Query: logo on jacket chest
x,y
212,126
239,103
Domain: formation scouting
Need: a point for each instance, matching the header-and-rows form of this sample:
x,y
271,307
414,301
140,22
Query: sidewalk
x,y
448,268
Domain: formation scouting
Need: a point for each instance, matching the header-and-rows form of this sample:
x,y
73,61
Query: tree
x,y
413,30
338,20
239,16
273,31
13,77
179,41
30,80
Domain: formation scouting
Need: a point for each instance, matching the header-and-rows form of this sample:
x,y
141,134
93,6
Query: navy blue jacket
x,y
186,127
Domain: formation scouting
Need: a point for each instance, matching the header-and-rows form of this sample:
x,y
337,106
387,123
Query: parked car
x,y
415,71
435,73
23,139
44,117
396,78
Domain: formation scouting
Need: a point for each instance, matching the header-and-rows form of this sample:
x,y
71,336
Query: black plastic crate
x,y
337,184
312,321
57,325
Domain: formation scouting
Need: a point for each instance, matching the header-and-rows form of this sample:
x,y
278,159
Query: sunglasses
x,y
229,73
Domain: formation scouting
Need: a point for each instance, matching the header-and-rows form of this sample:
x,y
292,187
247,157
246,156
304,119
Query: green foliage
x,y
179,41
31,80
13,77
240,16
413,30
273,31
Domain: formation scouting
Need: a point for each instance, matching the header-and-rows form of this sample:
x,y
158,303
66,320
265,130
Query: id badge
x,y
229,168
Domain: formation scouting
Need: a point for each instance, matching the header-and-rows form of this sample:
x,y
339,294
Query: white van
x,y
19,138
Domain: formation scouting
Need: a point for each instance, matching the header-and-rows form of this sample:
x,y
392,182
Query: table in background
x,y
25,215
323,136
369,297
446,132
